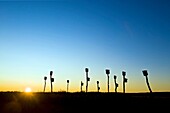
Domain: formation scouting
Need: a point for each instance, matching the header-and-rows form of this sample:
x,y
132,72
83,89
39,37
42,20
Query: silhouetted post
x,y
107,73
124,80
116,84
98,87
51,80
81,86
45,78
67,85
87,78
145,73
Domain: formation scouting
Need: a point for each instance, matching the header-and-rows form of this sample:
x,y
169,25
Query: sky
x,y
67,36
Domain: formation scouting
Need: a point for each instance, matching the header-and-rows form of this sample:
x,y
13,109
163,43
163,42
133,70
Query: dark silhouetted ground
x,y
18,102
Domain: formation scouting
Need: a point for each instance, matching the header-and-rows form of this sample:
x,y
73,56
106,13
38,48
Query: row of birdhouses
x,y
107,71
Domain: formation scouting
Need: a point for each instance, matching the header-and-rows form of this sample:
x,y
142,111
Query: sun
x,y
28,89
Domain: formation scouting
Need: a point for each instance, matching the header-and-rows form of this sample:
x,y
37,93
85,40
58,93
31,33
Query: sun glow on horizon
x,y
28,89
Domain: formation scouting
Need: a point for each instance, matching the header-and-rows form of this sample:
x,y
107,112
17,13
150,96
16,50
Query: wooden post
x,y
81,85
124,80
67,85
107,73
87,79
116,84
98,87
45,78
51,80
145,73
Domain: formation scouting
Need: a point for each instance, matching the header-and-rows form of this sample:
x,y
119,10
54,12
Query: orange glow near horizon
x,y
28,90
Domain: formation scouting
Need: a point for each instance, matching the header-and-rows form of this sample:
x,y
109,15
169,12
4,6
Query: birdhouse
x,y
98,88
45,78
82,83
145,73
123,73
51,72
88,79
86,70
125,80
107,71
117,84
52,79
115,77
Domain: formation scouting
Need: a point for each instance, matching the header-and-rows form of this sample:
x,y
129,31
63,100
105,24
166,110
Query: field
x,y
62,102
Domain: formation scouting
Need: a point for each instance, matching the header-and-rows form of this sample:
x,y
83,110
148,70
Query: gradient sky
x,y
66,36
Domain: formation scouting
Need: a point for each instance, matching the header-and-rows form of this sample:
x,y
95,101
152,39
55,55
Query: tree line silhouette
x,y
107,71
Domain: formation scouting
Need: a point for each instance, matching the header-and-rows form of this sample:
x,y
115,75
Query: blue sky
x,y
68,35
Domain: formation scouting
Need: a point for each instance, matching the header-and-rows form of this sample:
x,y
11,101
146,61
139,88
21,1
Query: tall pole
x,y
108,82
81,85
98,87
87,79
116,84
145,73
107,73
67,85
45,78
124,80
51,80
123,73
